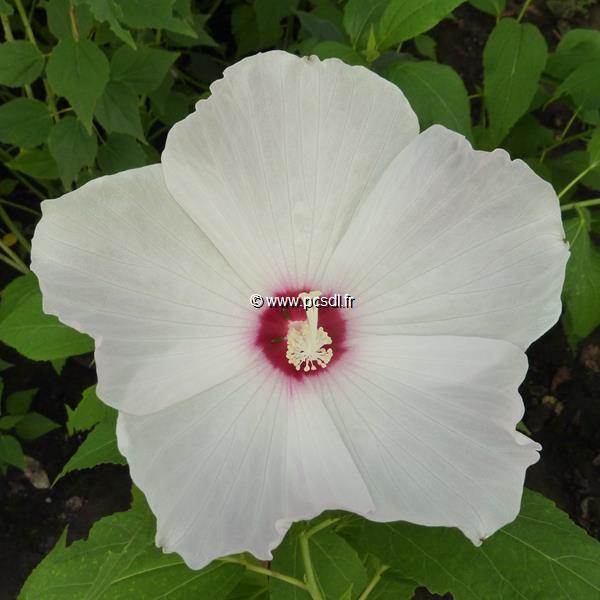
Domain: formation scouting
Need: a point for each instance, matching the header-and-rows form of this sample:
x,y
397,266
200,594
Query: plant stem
x,y
568,125
14,229
7,260
8,34
562,142
523,10
376,579
23,208
578,179
18,263
25,21
262,571
74,27
322,525
580,204
311,580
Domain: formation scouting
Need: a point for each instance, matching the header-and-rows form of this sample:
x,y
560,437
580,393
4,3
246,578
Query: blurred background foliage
x,y
91,87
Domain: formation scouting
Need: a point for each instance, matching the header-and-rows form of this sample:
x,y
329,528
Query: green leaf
x,y
360,16
78,70
158,14
24,122
436,93
11,451
5,8
513,60
392,589
201,37
144,68
244,28
25,327
35,163
336,50
121,152
99,447
594,146
320,29
527,137
20,63
542,554
59,21
581,292
426,46
18,403
336,564
9,421
583,86
118,110
491,7
120,561
576,47
90,411
72,147
269,14
108,11
404,19
33,425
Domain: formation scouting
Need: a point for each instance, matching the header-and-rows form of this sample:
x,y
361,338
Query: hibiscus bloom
x,y
300,176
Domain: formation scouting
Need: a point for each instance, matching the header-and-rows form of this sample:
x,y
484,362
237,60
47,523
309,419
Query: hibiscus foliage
x,y
90,88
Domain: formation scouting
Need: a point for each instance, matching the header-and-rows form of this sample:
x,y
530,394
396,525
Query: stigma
x,y
306,340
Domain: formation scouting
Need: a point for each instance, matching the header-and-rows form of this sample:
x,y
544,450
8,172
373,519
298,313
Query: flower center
x,y
305,340
296,341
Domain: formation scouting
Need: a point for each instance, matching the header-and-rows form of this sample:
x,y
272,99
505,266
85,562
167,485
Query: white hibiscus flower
x,y
296,176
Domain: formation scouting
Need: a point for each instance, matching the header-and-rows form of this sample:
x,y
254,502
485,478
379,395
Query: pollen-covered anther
x,y
306,341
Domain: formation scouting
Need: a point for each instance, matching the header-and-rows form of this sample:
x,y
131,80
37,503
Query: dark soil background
x,y
561,390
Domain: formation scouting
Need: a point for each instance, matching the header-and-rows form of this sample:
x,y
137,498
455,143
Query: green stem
x,y
578,179
25,21
74,27
562,142
18,263
8,34
262,571
568,125
580,204
311,579
14,230
371,586
5,156
322,525
523,10
23,208
7,260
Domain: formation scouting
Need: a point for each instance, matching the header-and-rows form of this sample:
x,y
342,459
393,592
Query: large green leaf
x,y
360,16
338,569
20,63
491,7
59,19
144,68
119,153
576,47
108,11
581,292
11,451
583,86
24,122
72,147
118,110
542,555
405,19
78,70
140,14
98,448
35,163
436,93
36,335
120,561
269,14
90,411
513,60
34,425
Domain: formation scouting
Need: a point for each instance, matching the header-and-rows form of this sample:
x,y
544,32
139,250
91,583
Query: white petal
x,y
455,242
275,163
229,470
430,423
119,260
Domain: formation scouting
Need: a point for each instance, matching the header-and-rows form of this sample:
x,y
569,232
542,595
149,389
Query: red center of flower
x,y
273,328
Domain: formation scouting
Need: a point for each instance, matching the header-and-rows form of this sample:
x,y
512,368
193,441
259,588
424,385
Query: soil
x,y
561,394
